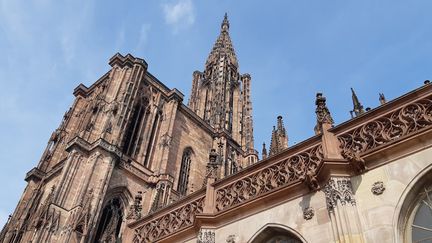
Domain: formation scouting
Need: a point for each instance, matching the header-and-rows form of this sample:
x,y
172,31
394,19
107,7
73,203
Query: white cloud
x,y
180,14
143,37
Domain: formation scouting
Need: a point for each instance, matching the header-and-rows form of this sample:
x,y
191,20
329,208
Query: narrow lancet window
x,y
184,172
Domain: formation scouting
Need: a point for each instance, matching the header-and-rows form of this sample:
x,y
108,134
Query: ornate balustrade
x,y
169,220
269,178
387,128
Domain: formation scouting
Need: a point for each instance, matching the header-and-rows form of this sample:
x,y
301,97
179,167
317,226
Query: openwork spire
x,y
358,107
322,113
223,46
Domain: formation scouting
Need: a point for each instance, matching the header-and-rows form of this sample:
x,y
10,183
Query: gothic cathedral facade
x,y
130,162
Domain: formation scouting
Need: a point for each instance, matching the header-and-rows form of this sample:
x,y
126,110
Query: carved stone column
x,y
342,209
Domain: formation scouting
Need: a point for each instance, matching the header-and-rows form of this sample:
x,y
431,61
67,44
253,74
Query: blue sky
x,y
292,49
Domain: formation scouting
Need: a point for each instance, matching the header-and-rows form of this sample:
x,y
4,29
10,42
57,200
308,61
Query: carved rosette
x,y
308,213
232,239
206,236
378,188
338,190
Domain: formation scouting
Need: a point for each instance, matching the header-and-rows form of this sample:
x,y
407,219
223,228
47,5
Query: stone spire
x,y
358,107
223,46
322,113
279,139
382,99
221,96
264,151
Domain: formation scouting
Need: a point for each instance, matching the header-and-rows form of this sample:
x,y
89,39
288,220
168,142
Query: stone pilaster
x,y
342,209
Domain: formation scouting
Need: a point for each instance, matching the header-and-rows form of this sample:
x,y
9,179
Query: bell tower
x,y
221,95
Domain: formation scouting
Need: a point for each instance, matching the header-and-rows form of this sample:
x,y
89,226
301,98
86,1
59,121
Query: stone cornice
x,y
128,60
34,174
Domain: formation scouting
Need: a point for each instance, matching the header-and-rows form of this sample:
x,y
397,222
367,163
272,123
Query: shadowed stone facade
x,y
131,163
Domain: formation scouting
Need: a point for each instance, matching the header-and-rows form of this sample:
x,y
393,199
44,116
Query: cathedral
x,y
132,162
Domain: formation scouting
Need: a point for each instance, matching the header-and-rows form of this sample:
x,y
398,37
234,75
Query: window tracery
x,y
184,172
420,222
110,222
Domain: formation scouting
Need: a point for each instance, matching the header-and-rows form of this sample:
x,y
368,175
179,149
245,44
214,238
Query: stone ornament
x,y
232,239
338,190
206,236
180,217
308,213
388,128
322,112
378,188
136,208
299,166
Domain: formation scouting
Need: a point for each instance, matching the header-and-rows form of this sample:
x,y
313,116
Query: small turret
x,y
357,106
279,139
264,151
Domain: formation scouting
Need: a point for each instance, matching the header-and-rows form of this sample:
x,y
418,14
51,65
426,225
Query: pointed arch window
x,y
136,125
184,172
110,222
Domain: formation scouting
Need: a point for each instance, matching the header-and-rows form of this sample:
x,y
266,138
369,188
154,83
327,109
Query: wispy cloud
x,y
180,14
143,37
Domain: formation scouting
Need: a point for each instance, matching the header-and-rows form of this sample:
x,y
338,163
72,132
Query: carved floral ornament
x,y
268,179
174,220
308,213
406,120
378,188
338,190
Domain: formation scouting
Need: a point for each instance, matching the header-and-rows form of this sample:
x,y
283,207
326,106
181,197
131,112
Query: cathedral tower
x,y
221,95
128,146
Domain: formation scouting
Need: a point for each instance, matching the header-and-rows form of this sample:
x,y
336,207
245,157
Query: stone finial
x,y
382,99
322,113
357,106
264,151
225,23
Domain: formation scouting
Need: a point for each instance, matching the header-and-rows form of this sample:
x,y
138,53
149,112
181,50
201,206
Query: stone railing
x,y
387,128
169,220
269,178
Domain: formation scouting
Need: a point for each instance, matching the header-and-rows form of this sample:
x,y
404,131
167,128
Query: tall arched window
x,y
420,221
184,172
135,128
110,222
414,222
274,233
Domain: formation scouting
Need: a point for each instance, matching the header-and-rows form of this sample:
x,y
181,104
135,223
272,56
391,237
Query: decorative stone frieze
x,y
378,188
